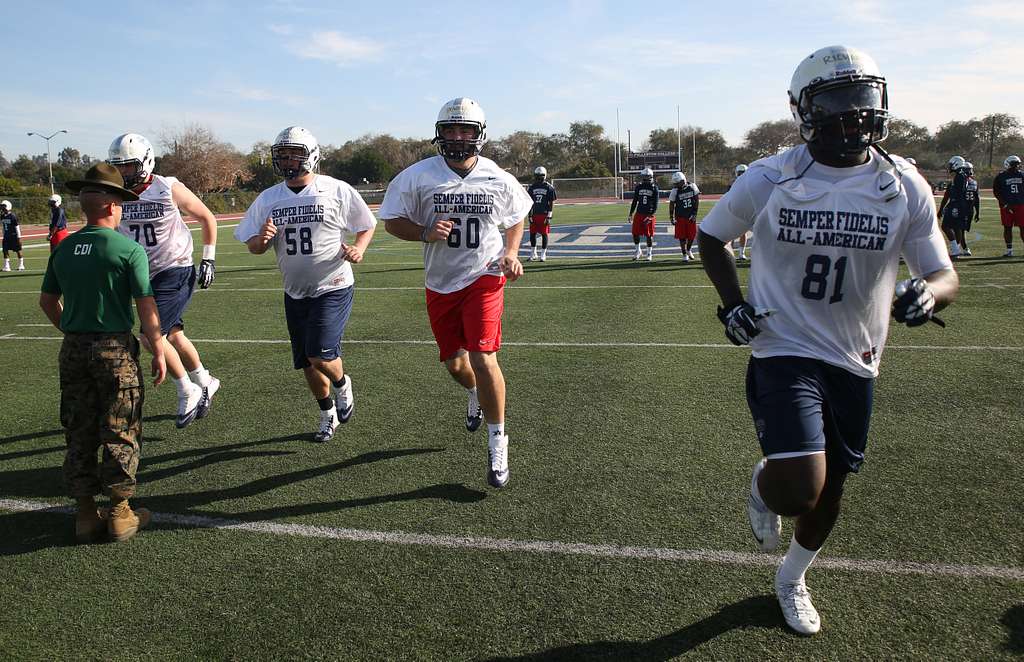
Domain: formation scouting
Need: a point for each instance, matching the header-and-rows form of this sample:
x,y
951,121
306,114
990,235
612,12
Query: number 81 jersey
x,y
311,226
480,205
154,222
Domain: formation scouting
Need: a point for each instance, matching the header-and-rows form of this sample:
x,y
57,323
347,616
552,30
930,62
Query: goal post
x,y
589,187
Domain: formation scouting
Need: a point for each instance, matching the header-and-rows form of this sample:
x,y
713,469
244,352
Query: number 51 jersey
x,y
311,226
480,205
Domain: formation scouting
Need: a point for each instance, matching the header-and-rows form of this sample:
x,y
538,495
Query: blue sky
x,y
344,69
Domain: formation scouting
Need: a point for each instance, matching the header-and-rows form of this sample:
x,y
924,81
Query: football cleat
x,y
544,255
497,462
1008,253
328,421
7,266
21,266
966,251
208,391
795,600
344,401
637,255
764,524
474,413
686,257
188,405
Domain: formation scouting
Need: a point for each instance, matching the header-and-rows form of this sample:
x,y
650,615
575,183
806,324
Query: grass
x,y
611,445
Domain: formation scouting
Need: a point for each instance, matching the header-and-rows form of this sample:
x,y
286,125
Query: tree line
x,y
207,165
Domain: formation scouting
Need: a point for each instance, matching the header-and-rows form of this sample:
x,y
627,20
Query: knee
x,y
483,361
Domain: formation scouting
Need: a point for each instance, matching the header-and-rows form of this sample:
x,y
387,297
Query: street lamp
x,y
48,164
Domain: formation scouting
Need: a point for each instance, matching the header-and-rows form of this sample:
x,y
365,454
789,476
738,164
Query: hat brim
x,y
76,186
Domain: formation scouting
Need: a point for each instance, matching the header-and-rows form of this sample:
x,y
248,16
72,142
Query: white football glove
x,y
914,302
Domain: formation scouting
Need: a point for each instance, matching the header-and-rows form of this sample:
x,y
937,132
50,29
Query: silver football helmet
x,y
968,169
132,149
461,110
540,173
955,163
647,175
295,137
839,100
678,178
739,170
1011,162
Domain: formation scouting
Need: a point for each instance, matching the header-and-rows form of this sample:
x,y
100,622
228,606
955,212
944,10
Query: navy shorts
x,y
803,405
12,243
316,325
172,290
956,217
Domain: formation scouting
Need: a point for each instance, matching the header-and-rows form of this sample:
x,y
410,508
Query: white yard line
x,y
580,345
512,546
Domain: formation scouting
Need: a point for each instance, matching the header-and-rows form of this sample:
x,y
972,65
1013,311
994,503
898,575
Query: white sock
x,y
796,562
21,261
182,385
495,433
200,376
7,263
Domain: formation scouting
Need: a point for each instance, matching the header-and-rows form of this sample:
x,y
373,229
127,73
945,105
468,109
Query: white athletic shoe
x,y
533,257
690,255
188,405
966,251
7,266
474,413
497,462
637,255
686,258
21,266
328,421
208,392
764,524
544,256
345,401
795,600
1008,253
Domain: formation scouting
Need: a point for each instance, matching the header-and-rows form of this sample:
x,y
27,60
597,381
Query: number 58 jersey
x,y
480,205
311,226
826,252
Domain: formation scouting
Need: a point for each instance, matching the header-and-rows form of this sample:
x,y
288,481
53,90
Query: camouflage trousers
x,y
101,396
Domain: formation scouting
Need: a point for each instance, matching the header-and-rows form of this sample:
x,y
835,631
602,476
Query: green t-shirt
x,y
99,271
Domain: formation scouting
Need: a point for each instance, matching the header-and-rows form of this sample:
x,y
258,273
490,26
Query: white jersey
x,y
481,205
828,247
311,226
154,222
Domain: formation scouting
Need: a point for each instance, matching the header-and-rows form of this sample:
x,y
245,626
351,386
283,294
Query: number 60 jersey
x,y
481,204
311,226
826,251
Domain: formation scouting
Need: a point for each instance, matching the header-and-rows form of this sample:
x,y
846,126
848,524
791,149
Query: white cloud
x,y
997,11
332,46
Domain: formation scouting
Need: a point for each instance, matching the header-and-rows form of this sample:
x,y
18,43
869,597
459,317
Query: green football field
x,y
621,535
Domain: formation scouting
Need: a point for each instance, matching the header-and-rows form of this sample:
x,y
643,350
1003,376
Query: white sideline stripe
x,y
552,547
684,345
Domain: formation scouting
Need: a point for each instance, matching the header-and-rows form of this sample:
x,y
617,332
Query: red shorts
x,y
1012,215
643,225
686,228
58,236
469,319
539,224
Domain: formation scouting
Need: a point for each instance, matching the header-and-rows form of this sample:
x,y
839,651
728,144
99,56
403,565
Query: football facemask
x,y
295,152
132,150
465,112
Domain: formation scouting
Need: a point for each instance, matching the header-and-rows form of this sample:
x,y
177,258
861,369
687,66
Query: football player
x,y
458,203
642,213
58,230
954,206
740,243
308,219
154,221
683,202
830,218
12,235
973,214
543,195
1008,188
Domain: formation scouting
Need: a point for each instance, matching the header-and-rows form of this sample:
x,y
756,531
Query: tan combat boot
x,y
123,523
90,522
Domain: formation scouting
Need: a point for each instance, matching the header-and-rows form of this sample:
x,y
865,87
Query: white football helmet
x,y
955,163
55,199
461,110
839,100
968,169
1012,161
131,148
678,178
647,175
540,172
911,161
6,204
739,170
295,137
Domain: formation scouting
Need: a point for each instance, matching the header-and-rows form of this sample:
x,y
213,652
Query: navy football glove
x,y
740,323
914,303
205,277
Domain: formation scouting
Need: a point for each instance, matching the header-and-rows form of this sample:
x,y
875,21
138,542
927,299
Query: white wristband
x,y
209,250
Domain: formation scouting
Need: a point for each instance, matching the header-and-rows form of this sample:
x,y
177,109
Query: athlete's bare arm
x,y
189,202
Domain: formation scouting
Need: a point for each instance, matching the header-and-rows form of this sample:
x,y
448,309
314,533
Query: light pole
x,y
48,163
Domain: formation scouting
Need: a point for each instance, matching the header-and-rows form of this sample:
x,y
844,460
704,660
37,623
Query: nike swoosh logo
x,y
882,188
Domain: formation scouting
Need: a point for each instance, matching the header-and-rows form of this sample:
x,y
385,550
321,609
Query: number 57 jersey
x,y
826,252
480,205
311,226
